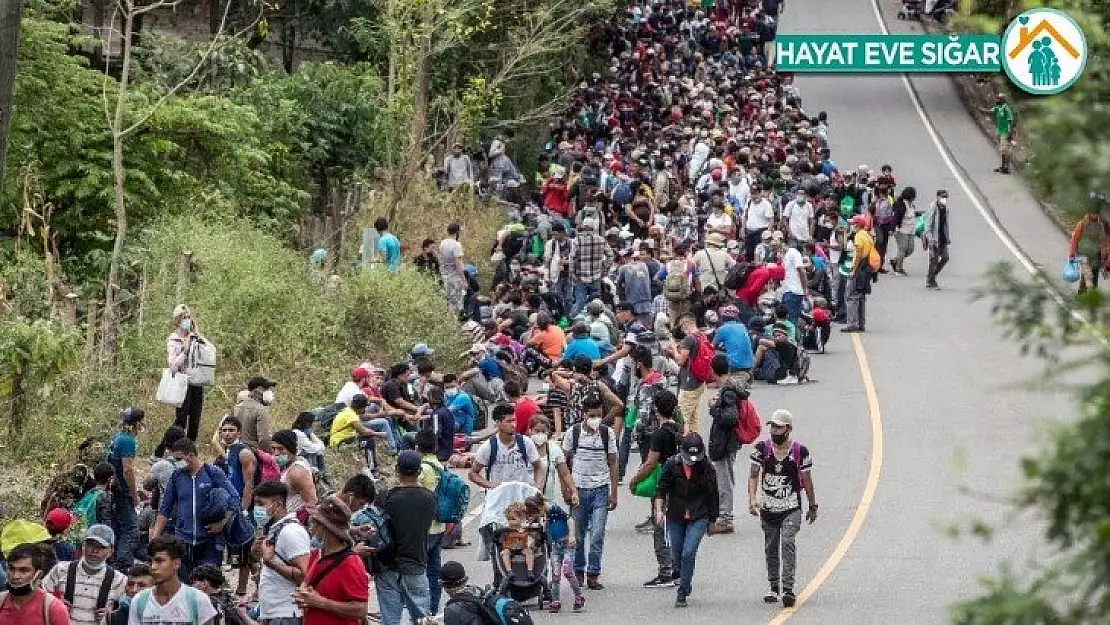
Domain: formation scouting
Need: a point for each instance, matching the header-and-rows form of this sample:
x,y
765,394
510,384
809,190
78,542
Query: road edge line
x,y
866,498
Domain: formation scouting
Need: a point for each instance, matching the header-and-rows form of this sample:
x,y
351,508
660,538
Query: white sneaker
x,y
788,380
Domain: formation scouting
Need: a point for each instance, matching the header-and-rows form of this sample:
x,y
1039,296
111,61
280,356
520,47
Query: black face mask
x,y
679,334
779,439
20,591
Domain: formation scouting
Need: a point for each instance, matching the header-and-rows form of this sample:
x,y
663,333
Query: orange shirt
x,y
550,341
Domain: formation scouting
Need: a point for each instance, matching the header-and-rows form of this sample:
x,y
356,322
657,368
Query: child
x,y
561,533
96,507
515,540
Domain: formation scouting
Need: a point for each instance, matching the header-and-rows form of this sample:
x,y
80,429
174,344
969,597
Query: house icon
x,y
1026,37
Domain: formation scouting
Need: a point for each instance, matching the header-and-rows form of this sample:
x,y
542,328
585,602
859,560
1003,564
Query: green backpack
x,y
85,508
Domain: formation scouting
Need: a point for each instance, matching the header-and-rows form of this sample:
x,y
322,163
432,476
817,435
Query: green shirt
x,y
1003,118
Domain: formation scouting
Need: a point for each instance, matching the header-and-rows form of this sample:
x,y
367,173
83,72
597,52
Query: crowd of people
x,y
689,238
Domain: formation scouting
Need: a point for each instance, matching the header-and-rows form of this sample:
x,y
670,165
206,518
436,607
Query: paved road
x,y
949,391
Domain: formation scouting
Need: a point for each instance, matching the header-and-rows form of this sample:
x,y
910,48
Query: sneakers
x,y
646,527
680,601
555,606
932,286
788,599
579,603
660,581
771,596
593,584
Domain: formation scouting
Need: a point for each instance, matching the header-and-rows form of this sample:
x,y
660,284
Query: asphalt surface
x,y
958,405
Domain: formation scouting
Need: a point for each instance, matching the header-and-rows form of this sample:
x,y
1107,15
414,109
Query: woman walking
x,y
905,223
687,499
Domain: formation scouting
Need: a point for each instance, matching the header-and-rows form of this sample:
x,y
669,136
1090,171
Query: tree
x,y
11,12
33,354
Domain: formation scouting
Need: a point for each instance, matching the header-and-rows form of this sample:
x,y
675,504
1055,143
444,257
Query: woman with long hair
x,y
687,500
905,222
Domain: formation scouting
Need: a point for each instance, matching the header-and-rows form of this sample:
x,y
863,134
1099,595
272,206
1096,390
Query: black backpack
x,y
496,609
738,275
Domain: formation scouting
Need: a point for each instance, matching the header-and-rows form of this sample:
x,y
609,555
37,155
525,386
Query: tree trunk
x,y
110,338
11,12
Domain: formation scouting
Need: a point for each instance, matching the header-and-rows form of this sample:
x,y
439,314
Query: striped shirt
x,y
86,590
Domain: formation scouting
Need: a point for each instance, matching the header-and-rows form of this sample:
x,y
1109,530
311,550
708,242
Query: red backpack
x,y
748,426
268,469
701,361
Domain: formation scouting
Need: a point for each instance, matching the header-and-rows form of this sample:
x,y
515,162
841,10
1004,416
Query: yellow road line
x,y
866,498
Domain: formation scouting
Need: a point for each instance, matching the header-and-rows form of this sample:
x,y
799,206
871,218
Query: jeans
x,y
685,539
368,444
793,303
397,591
778,534
565,290
726,484
583,293
857,299
435,563
590,517
562,564
207,552
938,258
663,556
126,527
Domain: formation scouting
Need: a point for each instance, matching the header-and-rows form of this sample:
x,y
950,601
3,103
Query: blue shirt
x,y
733,338
390,247
191,500
462,408
584,346
490,368
121,446
444,427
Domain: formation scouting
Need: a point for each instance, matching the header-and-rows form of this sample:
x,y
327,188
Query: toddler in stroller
x,y
520,552
515,540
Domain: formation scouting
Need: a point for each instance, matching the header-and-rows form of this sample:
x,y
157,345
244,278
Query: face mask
x,y
451,393
779,439
22,591
179,464
539,439
187,325
687,461
267,397
95,567
282,460
942,201
593,423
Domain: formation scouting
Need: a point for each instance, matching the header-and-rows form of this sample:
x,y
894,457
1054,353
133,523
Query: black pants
x,y
187,416
882,240
751,239
938,258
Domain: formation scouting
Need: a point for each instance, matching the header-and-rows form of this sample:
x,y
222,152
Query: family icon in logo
x,y
1045,51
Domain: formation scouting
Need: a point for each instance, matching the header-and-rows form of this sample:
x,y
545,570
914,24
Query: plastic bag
x,y
919,226
172,388
646,486
1071,271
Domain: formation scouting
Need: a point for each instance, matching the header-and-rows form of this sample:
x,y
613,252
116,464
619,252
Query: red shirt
x,y
753,286
346,582
524,409
31,612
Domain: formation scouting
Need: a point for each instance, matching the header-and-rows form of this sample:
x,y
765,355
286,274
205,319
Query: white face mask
x,y
943,201
593,423
539,438
268,396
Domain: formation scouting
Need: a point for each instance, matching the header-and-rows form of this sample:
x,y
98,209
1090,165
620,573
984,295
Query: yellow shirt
x,y
863,247
343,427
429,479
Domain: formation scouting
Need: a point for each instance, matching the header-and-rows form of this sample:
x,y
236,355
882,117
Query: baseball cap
x,y
101,534
359,373
421,349
59,520
408,462
781,417
692,448
260,381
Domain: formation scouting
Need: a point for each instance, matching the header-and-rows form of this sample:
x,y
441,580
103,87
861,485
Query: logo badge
x,y
1044,51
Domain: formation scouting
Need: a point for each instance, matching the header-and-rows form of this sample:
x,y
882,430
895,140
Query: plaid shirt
x,y
589,257
659,305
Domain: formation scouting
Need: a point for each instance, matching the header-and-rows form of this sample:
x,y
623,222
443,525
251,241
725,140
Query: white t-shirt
x,y
720,221
181,609
590,464
549,466
275,593
800,217
450,253
349,390
760,215
508,466
791,263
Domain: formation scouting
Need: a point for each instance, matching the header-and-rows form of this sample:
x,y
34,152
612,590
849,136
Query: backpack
x,y
382,543
676,287
497,610
884,212
494,444
622,193
701,361
766,449
265,466
85,508
514,243
452,495
749,425
200,363
558,523
589,176
738,275
143,598
47,602
105,586
577,431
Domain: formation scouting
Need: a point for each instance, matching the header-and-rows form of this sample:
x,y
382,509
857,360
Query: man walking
x,y
403,578
1003,117
125,492
936,239
591,452
284,554
723,443
589,257
89,585
780,471
24,603
690,388
451,265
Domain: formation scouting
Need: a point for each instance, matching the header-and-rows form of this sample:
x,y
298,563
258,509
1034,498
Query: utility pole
x,y
11,11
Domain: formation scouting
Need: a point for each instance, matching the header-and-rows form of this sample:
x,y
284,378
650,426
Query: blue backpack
x,y
622,193
496,609
452,495
558,523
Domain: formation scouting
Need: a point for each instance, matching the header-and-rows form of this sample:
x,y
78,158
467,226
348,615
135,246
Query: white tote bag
x,y
172,388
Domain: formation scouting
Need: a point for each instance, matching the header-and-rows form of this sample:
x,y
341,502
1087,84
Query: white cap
x,y
781,417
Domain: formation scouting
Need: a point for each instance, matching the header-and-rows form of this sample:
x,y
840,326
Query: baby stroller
x,y
515,582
